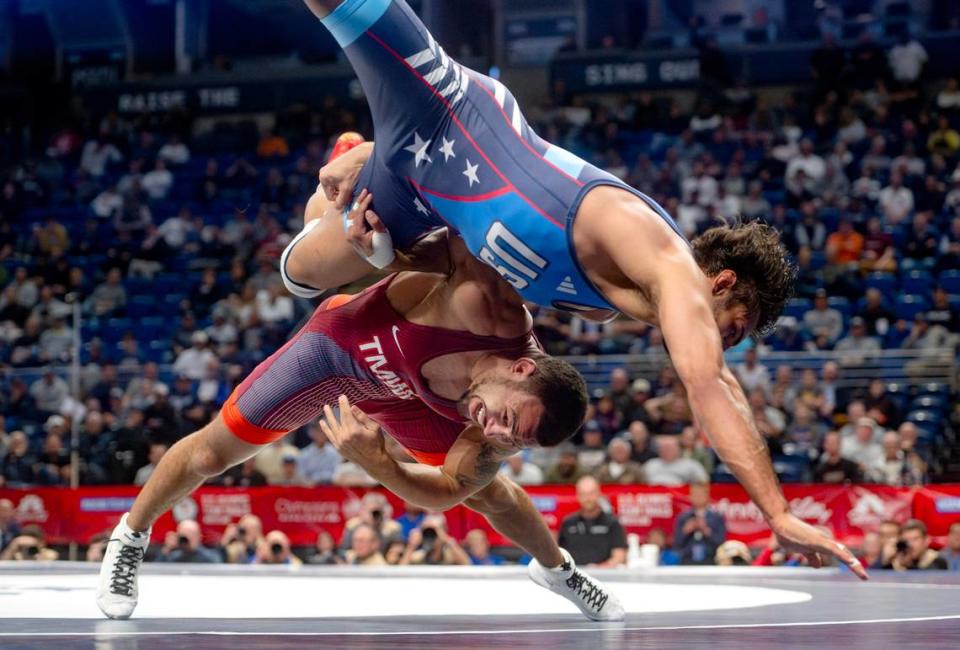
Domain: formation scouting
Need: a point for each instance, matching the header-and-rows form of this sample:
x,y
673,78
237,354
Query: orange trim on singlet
x,y
336,301
428,457
245,430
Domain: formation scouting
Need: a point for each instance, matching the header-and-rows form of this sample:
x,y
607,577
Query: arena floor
x,y
51,606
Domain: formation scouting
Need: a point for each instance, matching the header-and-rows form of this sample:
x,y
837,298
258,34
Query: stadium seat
x,y
141,306
950,281
910,305
797,307
792,468
930,420
841,304
929,403
885,283
916,281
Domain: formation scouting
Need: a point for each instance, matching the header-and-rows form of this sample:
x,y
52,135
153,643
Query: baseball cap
x,y
55,421
640,385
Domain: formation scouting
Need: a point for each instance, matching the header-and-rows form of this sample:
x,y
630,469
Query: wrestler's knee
x,y
214,450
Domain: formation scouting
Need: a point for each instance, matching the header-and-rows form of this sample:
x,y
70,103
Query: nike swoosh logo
x,y
397,341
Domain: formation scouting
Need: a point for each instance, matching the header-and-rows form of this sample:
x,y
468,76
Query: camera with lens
x,y
31,551
241,531
276,548
182,540
429,538
377,516
902,547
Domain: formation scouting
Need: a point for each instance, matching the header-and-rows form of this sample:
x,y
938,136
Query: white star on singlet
x,y
471,173
420,206
419,149
447,150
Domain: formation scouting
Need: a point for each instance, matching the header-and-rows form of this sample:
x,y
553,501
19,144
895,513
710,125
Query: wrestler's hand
x,y
796,536
363,223
339,177
355,435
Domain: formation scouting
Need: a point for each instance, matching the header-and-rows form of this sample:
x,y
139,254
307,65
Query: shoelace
x,y
587,590
124,574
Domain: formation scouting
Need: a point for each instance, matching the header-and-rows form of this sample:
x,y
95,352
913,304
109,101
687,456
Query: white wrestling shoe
x,y
117,592
590,595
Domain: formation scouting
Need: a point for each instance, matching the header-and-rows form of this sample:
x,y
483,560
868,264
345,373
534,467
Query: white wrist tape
x,y
383,253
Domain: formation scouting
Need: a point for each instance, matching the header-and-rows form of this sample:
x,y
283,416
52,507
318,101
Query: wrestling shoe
x,y
590,595
119,572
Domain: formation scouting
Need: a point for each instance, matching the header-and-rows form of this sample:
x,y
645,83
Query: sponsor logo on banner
x,y
219,509
185,509
745,518
871,508
295,511
106,504
31,509
947,505
639,510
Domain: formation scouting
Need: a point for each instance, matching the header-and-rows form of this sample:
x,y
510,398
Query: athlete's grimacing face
x,y
507,414
735,320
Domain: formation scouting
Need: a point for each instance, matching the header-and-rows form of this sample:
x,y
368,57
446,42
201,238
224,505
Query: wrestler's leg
x,y
203,454
321,8
510,511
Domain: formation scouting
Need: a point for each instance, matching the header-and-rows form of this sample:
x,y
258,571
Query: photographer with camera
x,y
184,546
365,547
240,541
913,550
376,512
30,545
431,544
275,549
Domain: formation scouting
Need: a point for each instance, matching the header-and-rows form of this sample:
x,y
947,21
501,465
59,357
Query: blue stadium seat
x,y
141,306
910,305
886,283
722,474
930,420
929,403
115,328
797,307
171,304
841,304
792,469
916,281
934,388
950,280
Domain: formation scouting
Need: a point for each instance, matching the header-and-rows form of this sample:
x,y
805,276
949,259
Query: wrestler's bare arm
x,y
471,463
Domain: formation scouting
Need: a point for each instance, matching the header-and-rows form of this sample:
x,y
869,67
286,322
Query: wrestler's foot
x,y
587,593
117,591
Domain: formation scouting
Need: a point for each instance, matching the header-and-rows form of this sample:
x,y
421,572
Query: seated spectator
x,y
365,544
944,140
810,233
30,545
951,550
752,374
871,551
177,229
56,342
157,451
275,549
477,546
913,550
244,475
922,238
109,298
174,151
670,412
949,248
857,346
97,154
879,253
619,468
349,474
158,181
670,468
700,530
805,432
823,320
318,460
270,459
878,404
108,203
193,361
862,448
376,511
693,446
9,526
666,557
432,544
289,475
926,338
521,471
185,546
941,312
608,418
592,536
876,315
832,468
896,200
566,469
641,446
326,549
272,145
810,392
592,452
845,246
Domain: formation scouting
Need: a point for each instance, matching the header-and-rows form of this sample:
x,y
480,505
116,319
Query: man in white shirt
x,y
521,471
812,165
896,200
669,468
752,374
97,155
175,229
907,60
107,203
158,181
861,448
174,152
193,361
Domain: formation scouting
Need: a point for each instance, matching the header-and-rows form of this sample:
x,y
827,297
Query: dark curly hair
x,y
754,251
564,395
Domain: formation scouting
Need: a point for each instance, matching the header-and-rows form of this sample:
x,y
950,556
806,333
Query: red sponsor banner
x,y
78,515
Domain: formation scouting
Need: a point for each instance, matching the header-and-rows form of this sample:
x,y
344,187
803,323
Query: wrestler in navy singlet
x,y
453,149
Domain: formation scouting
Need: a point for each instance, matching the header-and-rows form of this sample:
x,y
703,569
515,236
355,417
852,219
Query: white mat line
x,y
600,627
